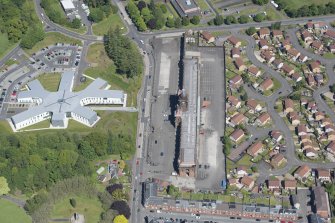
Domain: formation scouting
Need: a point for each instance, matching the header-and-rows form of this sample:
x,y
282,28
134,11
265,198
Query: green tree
x,y
76,23
251,31
195,20
146,14
4,188
73,202
218,20
185,21
163,8
120,219
243,19
259,17
276,25
34,35
118,195
86,150
332,88
96,15
260,2
230,20
170,22
177,22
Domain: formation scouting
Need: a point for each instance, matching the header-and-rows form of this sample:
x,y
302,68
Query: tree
x,y
259,17
218,20
251,31
73,202
185,21
146,14
177,22
122,164
332,88
244,97
170,22
87,150
76,23
243,19
163,8
195,20
96,15
260,2
120,219
254,169
35,34
113,187
119,195
276,26
122,208
4,188
141,5
230,20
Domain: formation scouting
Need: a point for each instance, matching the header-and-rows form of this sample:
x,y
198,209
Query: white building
x,y
67,5
65,104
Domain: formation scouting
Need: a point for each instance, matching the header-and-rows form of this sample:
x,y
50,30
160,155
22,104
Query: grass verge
x,y
10,213
5,45
111,22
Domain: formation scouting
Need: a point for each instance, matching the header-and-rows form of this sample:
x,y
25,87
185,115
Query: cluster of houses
x,y
318,37
315,130
259,83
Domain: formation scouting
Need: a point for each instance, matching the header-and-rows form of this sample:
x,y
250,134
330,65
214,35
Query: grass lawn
x,y
202,4
329,55
89,207
5,45
104,68
40,125
82,85
50,81
11,62
112,21
4,126
245,161
50,39
10,213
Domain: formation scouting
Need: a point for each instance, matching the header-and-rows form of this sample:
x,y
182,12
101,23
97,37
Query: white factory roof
x,y
67,4
64,100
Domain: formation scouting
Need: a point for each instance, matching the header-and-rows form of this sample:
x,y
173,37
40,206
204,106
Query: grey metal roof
x,y
64,100
189,118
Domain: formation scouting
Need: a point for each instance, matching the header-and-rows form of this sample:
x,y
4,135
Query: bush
x,y
251,31
259,17
185,21
230,20
122,208
96,15
170,22
73,202
195,20
260,2
243,19
218,20
163,8
177,22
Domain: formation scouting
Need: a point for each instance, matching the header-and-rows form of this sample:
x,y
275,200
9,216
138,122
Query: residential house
x,y
320,26
302,172
330,34
208,37
263,119
237,135
290,184
236,81
247,182
235,52
255,149
331,147
310,80
310,153
323,175
302,130
276,135
233,101
234,41
253,106
329,128
267,56
277,34
319,116
305,139
293,117
288,70
253,70
321,202
286,44
277,63
317,45
296,77
232,182
278,160
288,105
263,44
293,53
240,64
307,37
241,171
302,58
274,184
330,136
315,67
331,48
237,119
264,33
266,85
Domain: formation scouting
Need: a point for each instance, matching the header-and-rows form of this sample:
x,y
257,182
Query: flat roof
x,y
188,142
64,100
67,4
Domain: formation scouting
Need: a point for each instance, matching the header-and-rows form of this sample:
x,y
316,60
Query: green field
x,y
299,3
10,213
89,207
52,38
110,22
104,68
40,125
202,4
50,81
5,45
